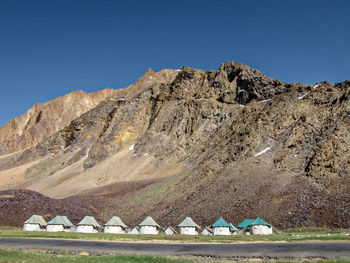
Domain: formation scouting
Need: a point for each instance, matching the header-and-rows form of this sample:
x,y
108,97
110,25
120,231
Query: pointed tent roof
x,y
89,220
245,223
221,223
172,229
135,229
35,219
232,227
116,221
149,221
188,222
61,220
260,222
208,228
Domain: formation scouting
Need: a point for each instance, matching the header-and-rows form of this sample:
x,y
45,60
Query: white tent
x,y
88,225
222,228
260,227
115,226
35,223
207,231
149,227
189,227
134,231
59,223
255,227
170,231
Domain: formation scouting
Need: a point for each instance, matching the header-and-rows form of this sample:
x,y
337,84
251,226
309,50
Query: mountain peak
x,y
149,72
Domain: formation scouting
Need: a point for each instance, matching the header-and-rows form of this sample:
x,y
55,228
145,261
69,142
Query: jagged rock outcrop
x,y
239,144
43,120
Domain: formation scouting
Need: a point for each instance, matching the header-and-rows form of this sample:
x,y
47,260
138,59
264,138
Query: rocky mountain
x,y
230,142
43,120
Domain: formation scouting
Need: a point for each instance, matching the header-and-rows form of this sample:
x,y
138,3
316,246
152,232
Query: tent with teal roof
x,y
222,228
245,224
256,226
221,223
233,228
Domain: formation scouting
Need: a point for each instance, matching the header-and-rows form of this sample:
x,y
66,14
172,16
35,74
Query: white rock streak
x,y
263,151
316,86
303,96
262,101
131,148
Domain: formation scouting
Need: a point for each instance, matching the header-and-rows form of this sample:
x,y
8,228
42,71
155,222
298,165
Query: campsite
x,y
148,226
196,131
287,235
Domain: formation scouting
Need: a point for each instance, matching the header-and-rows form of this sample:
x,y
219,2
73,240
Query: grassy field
x,y
289,235
19,256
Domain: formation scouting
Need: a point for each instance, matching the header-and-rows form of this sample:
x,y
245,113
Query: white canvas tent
x,y
135,230
115,226
207,231
35,223
188,227
260,227
88,225
255,227
149,227
59,223
222,228
170,231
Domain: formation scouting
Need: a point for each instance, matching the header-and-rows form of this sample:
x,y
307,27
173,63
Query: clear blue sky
x,y
52,47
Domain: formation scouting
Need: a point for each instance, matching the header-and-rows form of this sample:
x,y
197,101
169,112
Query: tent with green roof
x,y
35,223
221,228
256,226
260,227
233,228
59,223
115,226
88,225
259,221
189,227
220,223
245,224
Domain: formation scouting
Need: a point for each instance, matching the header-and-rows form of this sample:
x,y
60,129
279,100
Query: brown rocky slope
x,y
42,120
230,143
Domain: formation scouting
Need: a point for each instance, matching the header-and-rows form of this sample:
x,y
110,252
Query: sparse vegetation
x,y
20,256
40,167
14,256
158,189
290,235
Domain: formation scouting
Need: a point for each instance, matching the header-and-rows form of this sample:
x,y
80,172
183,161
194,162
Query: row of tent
x,y
148,226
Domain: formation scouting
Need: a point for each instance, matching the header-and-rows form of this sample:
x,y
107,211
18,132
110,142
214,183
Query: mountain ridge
x,y
22,132
231,142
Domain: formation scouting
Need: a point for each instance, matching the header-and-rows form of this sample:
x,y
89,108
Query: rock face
x,y
231,142
42,120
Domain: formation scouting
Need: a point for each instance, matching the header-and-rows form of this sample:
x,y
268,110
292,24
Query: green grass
x,y
289,235
14,256
315,261
21,256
